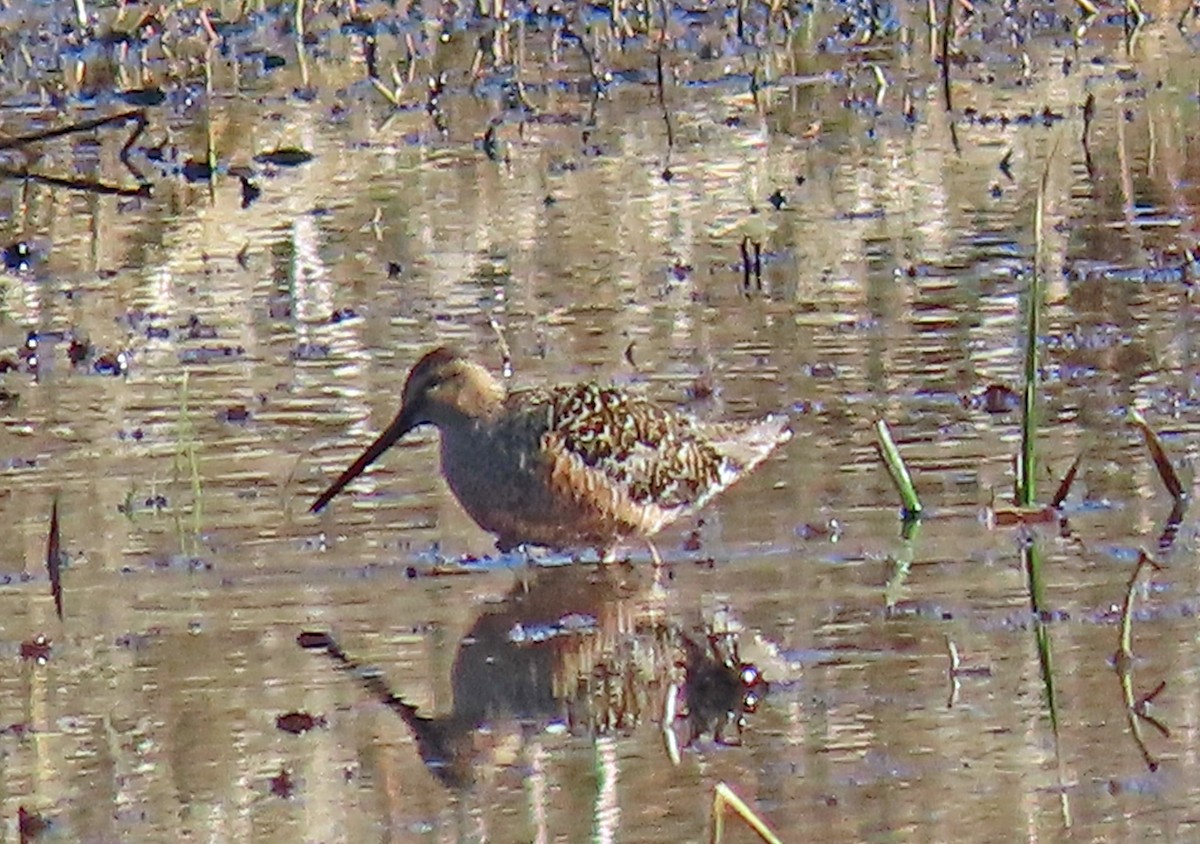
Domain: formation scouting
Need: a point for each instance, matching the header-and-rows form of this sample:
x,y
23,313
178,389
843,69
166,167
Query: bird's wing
x,y
646,453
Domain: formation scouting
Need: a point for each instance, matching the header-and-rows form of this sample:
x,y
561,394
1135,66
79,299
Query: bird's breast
x,y
497,474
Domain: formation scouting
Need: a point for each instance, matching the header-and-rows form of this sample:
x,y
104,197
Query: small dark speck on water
x,y
234,414
629,359
18,256
36,650
298,723
78,351
995,398
30,825
394,269
143,96
777,199
311,351
667,175
112,363
197,329
313,639
680,271
196,171
208,354
282,785
285,157
250,192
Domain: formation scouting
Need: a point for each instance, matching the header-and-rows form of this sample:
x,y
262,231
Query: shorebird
x,y
567,467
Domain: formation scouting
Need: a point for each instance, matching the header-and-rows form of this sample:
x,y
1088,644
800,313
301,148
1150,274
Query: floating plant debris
x,y
298,723
314,639
111,363
250,191
211,354
236,414
311,351
54,559
17,257
995,399
30,825
196,171
285,157
1013,516
1162,462
143,96
282,785
78,351
36,650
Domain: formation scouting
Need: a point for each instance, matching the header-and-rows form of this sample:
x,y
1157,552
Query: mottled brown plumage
x,y
576,465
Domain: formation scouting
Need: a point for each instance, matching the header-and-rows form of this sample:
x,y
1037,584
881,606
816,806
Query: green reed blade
x,y
897,470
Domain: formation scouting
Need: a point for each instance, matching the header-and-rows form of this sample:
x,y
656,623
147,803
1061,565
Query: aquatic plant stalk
x,y
1158,454
1026,468
897,470
54,559
944,48
1027,461
1064,486
723,797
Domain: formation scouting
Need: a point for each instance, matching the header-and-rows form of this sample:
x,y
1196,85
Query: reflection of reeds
x,y
1026,485
186,459
1136,709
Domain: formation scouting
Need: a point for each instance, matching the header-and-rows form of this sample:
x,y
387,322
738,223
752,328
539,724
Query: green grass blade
x,y
898,471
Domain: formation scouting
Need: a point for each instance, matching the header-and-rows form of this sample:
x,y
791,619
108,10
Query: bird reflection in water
x,y
586,649
713,691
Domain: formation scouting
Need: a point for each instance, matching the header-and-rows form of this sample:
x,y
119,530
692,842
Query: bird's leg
x,y
654,555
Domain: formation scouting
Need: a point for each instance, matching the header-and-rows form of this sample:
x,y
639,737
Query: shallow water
x,y
263,346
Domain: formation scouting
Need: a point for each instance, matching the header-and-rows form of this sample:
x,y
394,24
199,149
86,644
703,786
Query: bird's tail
x,y
747,444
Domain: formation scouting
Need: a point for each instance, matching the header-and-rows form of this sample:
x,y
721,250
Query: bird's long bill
x,y
401,425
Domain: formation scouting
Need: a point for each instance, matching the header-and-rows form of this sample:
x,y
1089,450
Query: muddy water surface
x,y
210,355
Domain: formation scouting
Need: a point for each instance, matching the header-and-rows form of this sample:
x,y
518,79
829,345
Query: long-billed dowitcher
x,y
567,467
